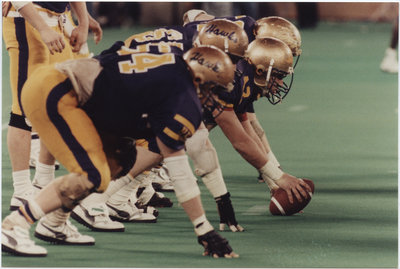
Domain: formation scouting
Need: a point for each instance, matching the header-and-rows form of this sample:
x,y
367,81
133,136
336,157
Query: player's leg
x,y
88,166
55,227
146,194
206,164
122,202
93,213
389,62
188,194
26,52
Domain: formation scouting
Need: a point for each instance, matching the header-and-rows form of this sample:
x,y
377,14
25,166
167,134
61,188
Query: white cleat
x,y
17,242
128,212
65,234
389,63
19,200
161,180
96,218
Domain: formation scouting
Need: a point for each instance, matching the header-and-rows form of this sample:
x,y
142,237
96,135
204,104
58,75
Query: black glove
x,y
215,245
227,214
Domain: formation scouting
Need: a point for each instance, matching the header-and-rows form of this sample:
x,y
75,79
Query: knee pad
x,y
182,178
203,154
72,188
20,122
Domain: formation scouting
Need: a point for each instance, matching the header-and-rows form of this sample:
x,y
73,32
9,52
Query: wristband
x,y
271,171
202,225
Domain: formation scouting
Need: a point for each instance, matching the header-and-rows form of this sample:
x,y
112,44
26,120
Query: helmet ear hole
x,y
259,70
197,80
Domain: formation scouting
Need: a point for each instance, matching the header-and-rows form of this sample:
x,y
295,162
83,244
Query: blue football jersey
x,y
243,95
143,95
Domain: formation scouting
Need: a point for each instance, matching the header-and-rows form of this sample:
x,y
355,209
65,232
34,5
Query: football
x,y
280,205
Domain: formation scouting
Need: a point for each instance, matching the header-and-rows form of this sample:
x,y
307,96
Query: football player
x,y
84,99
282,29
233,40
33,34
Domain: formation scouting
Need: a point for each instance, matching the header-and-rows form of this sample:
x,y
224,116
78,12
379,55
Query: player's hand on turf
x,y
293,186
227,214
53,40
216,246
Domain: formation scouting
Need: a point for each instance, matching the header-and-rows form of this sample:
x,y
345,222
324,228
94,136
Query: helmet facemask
x,y
272,61
272,82
208,94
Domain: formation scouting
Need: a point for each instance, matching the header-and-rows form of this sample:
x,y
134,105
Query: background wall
x,y
117,14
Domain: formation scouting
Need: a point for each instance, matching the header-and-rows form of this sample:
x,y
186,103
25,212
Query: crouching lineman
x,y
248,89
232,39
108,95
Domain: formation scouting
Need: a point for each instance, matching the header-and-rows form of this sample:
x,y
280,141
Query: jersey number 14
x,y
142,62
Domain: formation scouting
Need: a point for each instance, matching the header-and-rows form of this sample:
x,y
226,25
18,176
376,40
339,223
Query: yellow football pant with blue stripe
x,y
27,51
51,105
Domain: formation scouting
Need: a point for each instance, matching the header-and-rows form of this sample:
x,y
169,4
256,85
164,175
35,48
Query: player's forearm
x,y
258,129
251,152
250,131
240,140
80,10
31,15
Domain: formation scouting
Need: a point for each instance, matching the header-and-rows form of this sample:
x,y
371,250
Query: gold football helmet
x,y
281,29
213,73
272,61
225,35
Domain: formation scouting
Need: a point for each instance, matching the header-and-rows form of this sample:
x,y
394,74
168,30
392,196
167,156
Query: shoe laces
x,y
101,213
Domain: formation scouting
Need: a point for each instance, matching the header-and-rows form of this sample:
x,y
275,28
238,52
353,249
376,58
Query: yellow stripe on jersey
x,y
223,103
185,122
142,143
171,134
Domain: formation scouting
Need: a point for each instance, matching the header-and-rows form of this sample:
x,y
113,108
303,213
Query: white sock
x,y
57,217
44,174
32,209
125,193
101,198
116,185
21,181
15,219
